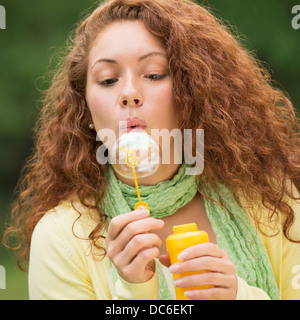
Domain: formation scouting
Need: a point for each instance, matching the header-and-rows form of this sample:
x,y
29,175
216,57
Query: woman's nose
x,y
127,101
131,96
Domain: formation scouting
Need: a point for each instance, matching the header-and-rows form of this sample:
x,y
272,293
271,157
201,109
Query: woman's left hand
x,y
220,272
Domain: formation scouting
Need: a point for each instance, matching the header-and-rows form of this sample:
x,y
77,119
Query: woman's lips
x,y
136,128
135,124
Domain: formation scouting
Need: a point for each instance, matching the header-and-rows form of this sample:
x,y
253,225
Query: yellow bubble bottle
x,y
184,236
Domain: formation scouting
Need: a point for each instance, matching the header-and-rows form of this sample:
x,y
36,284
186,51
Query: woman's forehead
x,y
124,38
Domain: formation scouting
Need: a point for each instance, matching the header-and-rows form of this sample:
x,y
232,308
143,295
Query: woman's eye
x,y
108,82
156,76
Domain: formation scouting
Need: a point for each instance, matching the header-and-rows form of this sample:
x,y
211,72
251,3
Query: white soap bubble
x,y
135,149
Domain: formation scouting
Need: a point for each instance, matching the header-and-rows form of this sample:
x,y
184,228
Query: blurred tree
x,y
267,30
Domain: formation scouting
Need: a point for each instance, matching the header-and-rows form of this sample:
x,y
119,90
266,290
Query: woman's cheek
x,y
165,108
162,95
101,109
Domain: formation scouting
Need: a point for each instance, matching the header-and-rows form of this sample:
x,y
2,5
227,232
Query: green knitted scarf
x,y
234,232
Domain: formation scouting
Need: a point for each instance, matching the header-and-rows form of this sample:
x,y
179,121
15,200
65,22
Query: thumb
x,y
165,260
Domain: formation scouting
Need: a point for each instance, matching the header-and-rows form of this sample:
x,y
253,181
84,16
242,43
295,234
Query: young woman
x,y
167,64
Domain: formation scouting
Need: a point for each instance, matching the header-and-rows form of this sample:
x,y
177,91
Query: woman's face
x,y
128,77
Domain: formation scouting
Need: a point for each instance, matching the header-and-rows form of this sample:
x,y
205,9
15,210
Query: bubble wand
x,y
136,163
132,161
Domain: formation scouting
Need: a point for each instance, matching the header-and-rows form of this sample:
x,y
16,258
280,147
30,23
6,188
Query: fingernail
x,y
161,222
188,294
182,256
142,212
178,282
173,268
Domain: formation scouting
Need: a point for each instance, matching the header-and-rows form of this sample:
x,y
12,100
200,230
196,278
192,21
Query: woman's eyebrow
x,y
150,54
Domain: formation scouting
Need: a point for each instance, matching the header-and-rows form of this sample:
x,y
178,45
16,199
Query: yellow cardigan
x,y
62,265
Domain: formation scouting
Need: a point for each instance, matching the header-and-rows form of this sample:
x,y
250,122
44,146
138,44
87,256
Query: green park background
x,y
36,30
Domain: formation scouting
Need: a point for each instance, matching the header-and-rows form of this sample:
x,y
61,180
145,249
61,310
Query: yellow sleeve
x,y
284,255
290,275
138,291
61,266
246,292
56,271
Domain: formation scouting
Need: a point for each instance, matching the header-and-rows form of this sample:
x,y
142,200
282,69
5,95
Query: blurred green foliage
x,y
36,29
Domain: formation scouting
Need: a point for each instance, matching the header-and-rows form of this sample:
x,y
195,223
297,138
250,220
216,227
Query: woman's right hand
x,y
131,245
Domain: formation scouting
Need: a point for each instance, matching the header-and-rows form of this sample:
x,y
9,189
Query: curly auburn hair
x,y
251,130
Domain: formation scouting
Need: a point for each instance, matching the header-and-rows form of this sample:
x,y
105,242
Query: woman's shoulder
x,y
68,222
295,205
60,255
256,208
61,215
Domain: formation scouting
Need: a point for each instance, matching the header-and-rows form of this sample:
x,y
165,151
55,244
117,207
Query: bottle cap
x,y
185,228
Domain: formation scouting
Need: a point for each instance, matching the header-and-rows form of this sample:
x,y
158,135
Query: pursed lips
x,y
135,123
